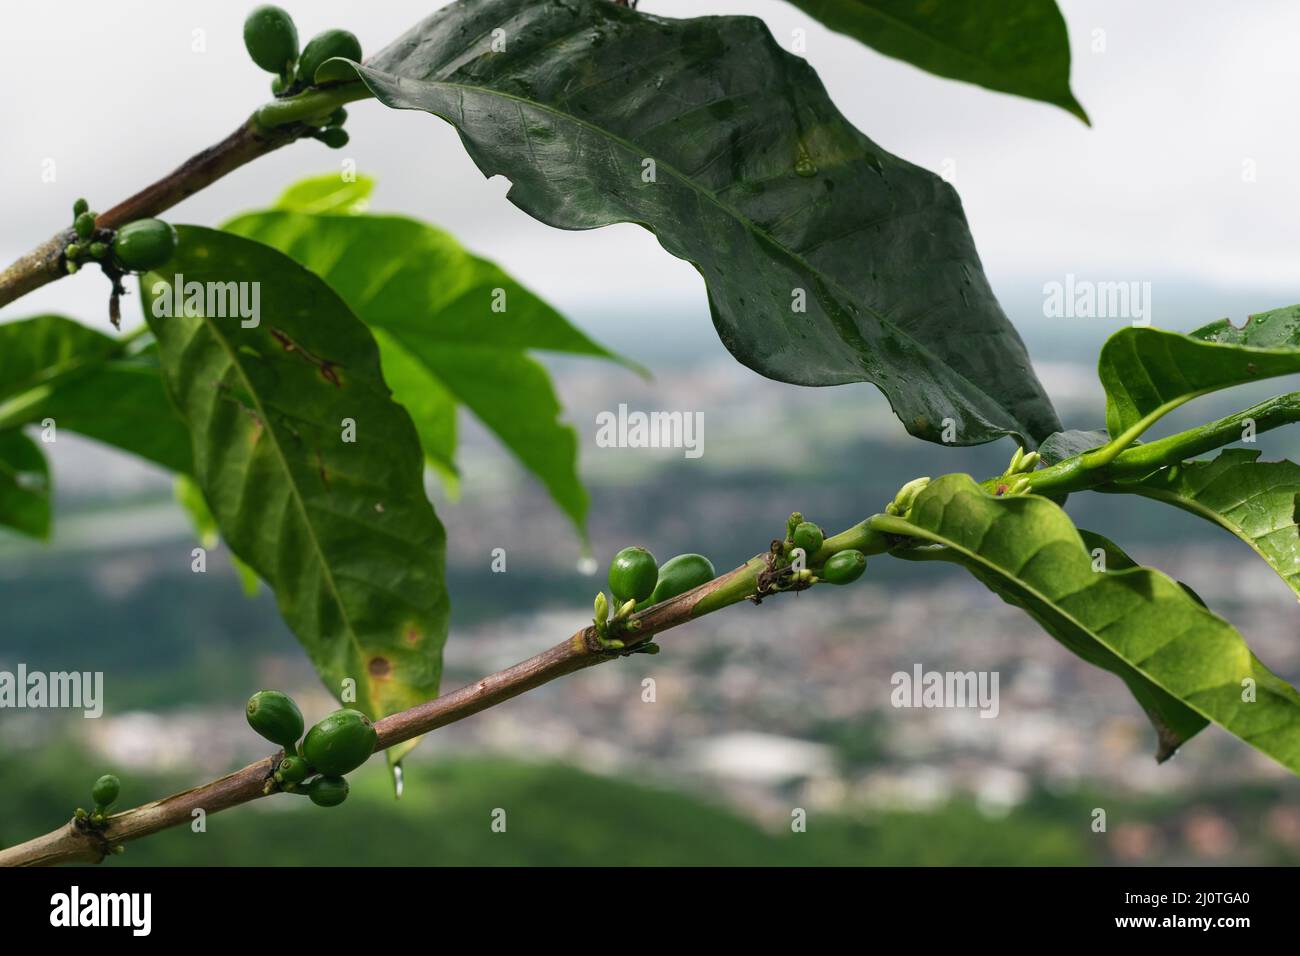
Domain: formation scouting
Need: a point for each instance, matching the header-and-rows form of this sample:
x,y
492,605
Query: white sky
x,y
1184,94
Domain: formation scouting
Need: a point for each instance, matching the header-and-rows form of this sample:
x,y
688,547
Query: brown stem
x,y
74,842
44,264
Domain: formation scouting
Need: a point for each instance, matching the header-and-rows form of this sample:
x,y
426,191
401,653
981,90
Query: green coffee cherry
x,y
333,137
71,266
808,536
79,207
327,791
324,46
681,574
338,117
276,717
105,791
278,86
144,244
843,567
292,770
632,575
271,39
84,225
340,743
98,249
73,250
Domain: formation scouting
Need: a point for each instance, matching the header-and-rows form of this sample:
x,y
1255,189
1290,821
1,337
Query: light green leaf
x,y
330,193
1013,46
431,406
46,347
190,497
1117,560
89,383
827,260
1182,662
1148,372
451,328
340,530
24,485
1254,500
122,403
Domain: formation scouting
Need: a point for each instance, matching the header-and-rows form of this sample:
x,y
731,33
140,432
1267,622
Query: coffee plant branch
x,y
274,125
1091,470
77,842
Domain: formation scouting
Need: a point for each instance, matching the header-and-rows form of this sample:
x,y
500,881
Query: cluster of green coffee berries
x,y
313,765
842,567
637,582
137,247
272,41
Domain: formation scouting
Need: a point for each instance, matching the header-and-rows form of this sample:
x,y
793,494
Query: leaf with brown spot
x,y
351,581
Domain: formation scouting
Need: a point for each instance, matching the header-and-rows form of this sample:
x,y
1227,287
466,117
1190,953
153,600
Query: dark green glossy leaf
x,y
1182,662
1148,371
92,384
341,531
1013,46
1068,444
24,485
451,328
827,259
1254,500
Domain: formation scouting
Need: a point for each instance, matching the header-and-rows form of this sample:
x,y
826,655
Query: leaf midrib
x,y
293,489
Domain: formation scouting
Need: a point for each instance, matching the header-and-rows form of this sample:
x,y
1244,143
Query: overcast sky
x,y
1186,98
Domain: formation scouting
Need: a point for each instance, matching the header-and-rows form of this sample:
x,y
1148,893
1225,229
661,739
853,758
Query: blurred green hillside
x,y
559,816
555,815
